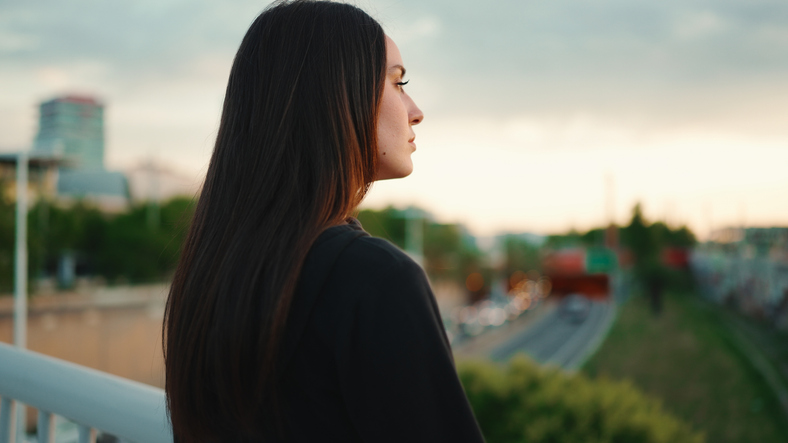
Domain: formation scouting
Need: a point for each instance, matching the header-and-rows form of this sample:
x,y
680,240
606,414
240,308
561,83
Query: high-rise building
x,y
73,126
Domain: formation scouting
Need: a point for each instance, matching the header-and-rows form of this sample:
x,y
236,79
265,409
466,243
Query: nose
x,y
415,116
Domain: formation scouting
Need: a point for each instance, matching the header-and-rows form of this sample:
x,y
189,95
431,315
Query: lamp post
x,y
20,253
22,161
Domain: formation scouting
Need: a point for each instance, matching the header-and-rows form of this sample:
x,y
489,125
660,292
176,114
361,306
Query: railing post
x,y
46,429
86,434
7,420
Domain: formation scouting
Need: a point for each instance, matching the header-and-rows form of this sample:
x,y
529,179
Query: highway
x,y
548,337
557,340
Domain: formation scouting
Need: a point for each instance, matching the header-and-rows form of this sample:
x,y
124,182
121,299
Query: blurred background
x,y
599,186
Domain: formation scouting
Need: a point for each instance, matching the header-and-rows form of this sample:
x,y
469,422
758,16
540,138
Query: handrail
x,y
127,409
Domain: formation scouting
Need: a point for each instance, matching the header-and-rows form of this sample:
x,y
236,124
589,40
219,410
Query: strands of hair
x,y
295,153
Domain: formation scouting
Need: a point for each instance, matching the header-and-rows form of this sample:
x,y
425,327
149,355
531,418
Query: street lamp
x,y
23,160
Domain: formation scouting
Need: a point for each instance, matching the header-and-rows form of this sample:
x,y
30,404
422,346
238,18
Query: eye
x,y
401,84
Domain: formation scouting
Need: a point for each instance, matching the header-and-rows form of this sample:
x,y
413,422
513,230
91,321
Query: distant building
x,y
746,268
73,127
152,181
107,189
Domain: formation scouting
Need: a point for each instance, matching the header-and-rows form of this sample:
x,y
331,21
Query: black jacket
x,y
365,356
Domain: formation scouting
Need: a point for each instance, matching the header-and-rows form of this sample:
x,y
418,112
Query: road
x,y
548,338
555,340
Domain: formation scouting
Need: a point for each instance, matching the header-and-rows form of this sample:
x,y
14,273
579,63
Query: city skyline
x,y
530,110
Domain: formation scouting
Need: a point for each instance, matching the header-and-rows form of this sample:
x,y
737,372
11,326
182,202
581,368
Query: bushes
x,y
526,403
139,245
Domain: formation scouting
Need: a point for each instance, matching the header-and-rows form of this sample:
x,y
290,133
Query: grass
x,y
687,358
772,344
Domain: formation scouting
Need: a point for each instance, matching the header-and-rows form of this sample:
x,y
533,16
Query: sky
x,y
539,116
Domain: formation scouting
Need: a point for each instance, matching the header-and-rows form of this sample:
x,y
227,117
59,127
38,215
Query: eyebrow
x,y
400,67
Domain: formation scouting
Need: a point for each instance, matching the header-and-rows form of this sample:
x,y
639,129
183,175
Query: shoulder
x,y
380,288
376,255
366,269
377,262
348,249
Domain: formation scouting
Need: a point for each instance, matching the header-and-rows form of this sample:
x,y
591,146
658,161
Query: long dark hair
x,y
295,153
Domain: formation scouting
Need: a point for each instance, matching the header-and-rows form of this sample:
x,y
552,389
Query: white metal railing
x,y
95,400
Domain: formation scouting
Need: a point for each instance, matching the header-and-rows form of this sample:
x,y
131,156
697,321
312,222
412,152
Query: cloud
x,y
700,24
673,63
422,28
511,57
135,40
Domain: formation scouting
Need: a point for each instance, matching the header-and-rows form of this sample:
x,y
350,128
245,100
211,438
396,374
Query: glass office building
x,y
73,127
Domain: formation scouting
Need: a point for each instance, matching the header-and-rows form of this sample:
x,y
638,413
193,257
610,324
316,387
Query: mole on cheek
x,y
384,153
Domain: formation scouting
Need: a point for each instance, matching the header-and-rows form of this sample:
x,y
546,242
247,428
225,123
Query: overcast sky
x,y
530,107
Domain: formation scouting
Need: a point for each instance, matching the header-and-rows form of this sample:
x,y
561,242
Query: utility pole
x,y
611,233
611,195
709,222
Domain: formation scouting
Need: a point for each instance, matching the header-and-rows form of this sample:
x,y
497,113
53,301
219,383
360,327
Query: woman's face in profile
x,y
398,113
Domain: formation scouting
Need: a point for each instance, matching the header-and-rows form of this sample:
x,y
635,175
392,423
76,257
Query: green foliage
x,y
689,358
444,250
387,223
526,403
647,241
594,237
139,245
664,236
54,230
520,255
640,239
571,239
7,220
448,254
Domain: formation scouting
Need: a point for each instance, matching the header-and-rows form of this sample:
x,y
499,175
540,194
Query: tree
x,y
136,251
526,403
388,223
7,223
449,252
643,240
520,255
647,242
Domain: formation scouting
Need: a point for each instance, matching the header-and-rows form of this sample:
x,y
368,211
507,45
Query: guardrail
x,y
94,400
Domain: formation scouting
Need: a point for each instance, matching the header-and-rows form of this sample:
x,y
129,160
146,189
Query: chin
x,y
393,174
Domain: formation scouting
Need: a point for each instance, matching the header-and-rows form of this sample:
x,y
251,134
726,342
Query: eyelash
x,y
401,84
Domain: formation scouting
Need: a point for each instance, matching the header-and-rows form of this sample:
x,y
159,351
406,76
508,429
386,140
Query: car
x,y
574,308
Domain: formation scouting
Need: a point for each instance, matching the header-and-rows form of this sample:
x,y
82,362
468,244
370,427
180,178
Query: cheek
x,y
384,131
392,120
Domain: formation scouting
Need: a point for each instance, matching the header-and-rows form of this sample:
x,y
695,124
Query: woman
x,y
285,320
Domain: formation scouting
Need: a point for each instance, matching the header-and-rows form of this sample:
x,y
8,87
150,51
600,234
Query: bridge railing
x,y
94,400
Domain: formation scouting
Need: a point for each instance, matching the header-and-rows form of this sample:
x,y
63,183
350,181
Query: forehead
x,y
393,57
